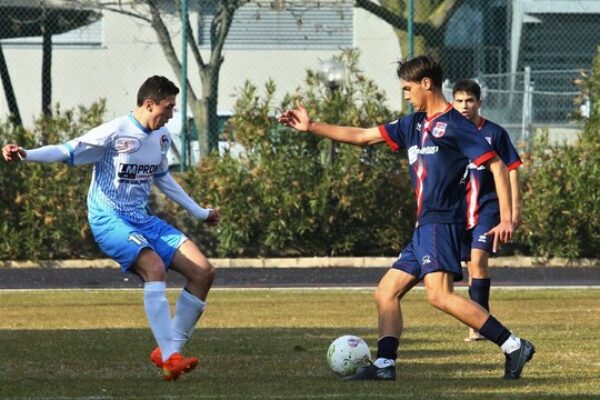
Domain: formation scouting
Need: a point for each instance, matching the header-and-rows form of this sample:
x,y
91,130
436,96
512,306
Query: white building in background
x,y
111,58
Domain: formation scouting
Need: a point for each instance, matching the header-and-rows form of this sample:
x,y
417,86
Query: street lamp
x,y
332,73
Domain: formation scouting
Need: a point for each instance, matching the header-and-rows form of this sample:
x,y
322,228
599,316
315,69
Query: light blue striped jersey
x,y
126,157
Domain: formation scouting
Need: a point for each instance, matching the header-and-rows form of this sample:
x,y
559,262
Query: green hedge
x,y
286,196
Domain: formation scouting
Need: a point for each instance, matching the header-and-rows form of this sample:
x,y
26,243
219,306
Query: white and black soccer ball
x,y
348,353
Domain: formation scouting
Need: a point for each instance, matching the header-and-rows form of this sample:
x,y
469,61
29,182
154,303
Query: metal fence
x,y
526,54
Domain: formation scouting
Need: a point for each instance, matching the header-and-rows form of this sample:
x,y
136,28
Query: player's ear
x,y
147,105
426,83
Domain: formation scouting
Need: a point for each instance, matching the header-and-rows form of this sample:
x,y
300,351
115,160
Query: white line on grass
x,y
309,288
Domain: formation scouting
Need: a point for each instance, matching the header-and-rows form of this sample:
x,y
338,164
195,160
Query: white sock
x,y
188,310
511,344
384,362
158,313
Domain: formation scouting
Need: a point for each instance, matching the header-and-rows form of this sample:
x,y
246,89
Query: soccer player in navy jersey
x,y
483,211
129,154
440,143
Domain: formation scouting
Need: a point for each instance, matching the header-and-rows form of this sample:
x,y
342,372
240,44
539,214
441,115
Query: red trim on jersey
x,y
484,157
387,138
481,122
514,165
434,116
472,202
421,173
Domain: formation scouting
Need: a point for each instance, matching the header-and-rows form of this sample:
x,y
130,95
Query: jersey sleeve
x,y
505,150
394,133
463,135
90,147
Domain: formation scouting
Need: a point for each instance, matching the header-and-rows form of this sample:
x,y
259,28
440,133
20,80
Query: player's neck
x,y
141,117
436,105
476,120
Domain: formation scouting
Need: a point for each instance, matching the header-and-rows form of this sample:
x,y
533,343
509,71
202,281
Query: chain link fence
x,y
526,54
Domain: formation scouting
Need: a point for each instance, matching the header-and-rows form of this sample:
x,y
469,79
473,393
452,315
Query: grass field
x,y
271,344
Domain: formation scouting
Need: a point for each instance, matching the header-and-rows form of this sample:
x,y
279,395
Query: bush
x,y
561,196
292,194
44,205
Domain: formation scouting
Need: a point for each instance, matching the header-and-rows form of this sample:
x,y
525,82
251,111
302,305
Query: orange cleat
x,y
156,357
176,365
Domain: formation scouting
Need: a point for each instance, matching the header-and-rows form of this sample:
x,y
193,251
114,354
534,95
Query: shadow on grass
x,y
274,363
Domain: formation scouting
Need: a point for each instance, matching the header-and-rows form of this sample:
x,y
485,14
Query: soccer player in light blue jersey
x,y
483,211
440,144
128,155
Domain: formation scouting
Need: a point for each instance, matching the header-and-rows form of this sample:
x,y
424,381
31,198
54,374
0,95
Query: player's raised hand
x,y
12,152
296,118
213,218
502,233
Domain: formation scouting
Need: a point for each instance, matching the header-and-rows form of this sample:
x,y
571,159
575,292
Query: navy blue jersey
x,y
481,190
439,150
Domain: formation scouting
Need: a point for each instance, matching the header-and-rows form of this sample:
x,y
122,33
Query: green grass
x,y
271,344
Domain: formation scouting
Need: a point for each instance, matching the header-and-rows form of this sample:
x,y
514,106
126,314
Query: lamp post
x,y
333,75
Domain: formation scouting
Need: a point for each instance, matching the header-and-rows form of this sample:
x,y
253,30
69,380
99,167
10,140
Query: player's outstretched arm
x,y
13,152
504,230
175,192
299,119
45,154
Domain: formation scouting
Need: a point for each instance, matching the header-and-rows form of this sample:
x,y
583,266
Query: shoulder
x,y
492,128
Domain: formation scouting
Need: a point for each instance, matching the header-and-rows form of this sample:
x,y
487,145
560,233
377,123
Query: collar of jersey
x,y
481,122
138,124
434,116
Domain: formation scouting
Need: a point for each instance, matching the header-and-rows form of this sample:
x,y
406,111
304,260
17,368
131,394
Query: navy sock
x,y
479,292
387,347
494,331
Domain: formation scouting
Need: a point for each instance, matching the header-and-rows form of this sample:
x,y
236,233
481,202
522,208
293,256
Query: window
x,y
264,25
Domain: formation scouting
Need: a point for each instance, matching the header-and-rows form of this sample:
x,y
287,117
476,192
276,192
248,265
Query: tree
x,y
431,28
32,18
203,103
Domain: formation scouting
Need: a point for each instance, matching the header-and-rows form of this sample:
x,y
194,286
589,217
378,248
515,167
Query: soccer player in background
x,y
440,143
483,211
129,154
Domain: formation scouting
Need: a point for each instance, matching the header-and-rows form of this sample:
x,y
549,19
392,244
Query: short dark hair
x,y
156,88
468,86
415,69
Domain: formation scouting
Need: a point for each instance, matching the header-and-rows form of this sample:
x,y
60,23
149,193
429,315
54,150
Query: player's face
x,y
467,104
161,113
414,92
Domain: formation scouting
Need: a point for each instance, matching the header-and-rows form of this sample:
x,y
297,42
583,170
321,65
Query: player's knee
x,y
437,299
203,273
383,295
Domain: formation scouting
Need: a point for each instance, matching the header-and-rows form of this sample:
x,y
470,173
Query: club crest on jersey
x,y
439,129
164,143
126,144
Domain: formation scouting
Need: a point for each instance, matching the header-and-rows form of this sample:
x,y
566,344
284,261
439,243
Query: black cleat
x,y
516,360
373,373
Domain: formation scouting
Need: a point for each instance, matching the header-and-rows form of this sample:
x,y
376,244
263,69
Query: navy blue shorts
x,y
123,240
475,237
434,247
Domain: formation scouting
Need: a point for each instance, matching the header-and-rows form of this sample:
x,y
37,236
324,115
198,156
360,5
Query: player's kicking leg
x,y
150,267
392,287
199,272
440,293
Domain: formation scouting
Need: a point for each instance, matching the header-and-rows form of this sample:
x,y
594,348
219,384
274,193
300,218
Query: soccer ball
x,y
348,353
